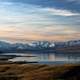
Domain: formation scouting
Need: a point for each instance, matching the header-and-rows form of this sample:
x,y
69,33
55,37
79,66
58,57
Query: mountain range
x,y
36,46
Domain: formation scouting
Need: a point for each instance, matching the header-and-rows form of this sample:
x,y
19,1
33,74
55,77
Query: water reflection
x,y
47,57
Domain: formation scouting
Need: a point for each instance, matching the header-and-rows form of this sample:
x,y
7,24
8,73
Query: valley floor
x,y
39,72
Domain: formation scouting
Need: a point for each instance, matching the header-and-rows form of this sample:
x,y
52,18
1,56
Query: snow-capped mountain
x,y
42,44
35,45
67,43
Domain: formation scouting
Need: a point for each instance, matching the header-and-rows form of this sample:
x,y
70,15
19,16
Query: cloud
x,y
32,22
74,1
61,12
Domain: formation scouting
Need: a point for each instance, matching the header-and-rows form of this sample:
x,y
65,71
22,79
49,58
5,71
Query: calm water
x,y
46,57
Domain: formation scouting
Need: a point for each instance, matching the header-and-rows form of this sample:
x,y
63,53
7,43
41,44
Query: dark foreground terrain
x,y
39,72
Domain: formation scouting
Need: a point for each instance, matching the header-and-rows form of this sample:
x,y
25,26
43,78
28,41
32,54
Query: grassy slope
x,y
39,72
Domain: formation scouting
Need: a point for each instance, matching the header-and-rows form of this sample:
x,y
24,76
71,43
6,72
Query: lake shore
x,y
39,72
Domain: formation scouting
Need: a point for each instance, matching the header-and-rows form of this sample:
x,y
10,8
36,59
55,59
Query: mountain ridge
x,y
37,46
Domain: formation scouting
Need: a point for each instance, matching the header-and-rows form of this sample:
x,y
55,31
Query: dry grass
x,y
37,72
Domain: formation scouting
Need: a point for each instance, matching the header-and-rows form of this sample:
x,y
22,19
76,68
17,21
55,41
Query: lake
x,y
45,57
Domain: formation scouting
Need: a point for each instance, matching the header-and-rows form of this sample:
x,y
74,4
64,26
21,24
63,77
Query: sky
x,y
51,20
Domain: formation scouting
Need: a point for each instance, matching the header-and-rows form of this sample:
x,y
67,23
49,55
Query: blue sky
x,y
22,20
